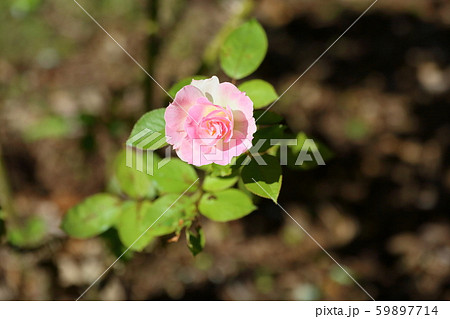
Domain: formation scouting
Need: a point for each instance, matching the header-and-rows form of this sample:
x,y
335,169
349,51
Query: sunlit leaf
x,y
146,220
133,223
92,217
174,209
226,205
149,131
260,92
175,177
243,50
132,182
215,184
217,170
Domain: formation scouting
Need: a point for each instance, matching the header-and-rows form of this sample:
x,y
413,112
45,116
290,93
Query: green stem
x,y
5,194
152,51
213,50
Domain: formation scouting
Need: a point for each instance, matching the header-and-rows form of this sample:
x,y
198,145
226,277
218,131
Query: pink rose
x,y
210,122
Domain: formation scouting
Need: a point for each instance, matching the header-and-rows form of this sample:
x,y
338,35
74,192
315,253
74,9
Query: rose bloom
x,y
210,122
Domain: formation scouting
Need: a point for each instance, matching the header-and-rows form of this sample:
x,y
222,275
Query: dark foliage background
x,y
379,99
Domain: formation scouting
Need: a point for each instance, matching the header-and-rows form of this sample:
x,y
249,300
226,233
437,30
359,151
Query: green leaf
x,y
215,184
133,223
190,211
175,208
149,131
260,92
195,241
242,188
175,177
132,182
150,220
243,50
92,216
268,177
221,170
264,117
226,205
28,235
182,83
217,170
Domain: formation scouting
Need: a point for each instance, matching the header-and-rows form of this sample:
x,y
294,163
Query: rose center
x,y
217,127
209,123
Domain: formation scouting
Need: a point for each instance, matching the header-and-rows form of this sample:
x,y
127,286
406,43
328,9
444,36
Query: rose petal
x,y
210,122
209,87
176,114
177,111
229,95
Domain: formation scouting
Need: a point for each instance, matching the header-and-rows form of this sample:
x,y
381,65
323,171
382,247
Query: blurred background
x,y
379,99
